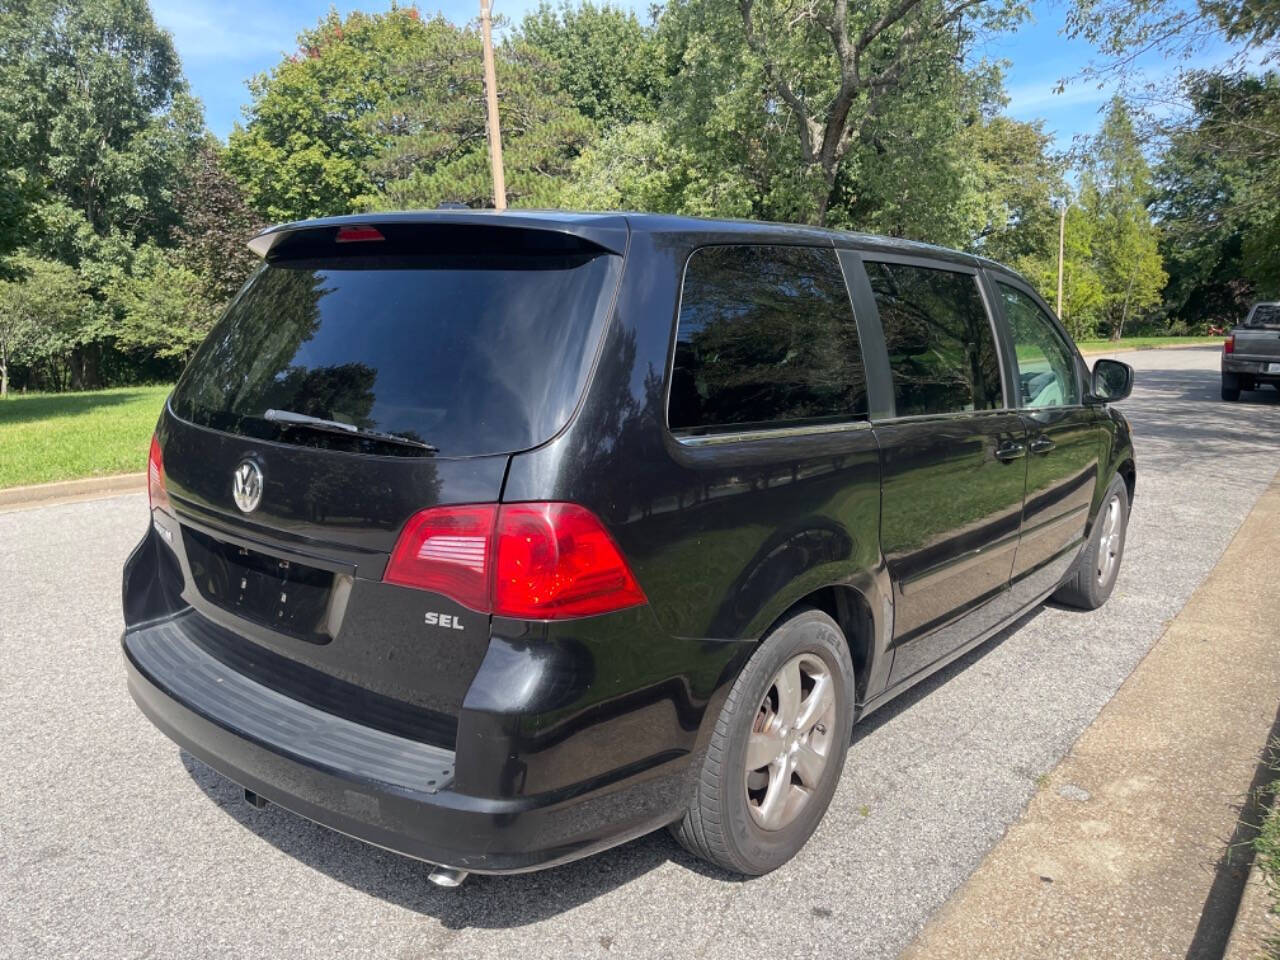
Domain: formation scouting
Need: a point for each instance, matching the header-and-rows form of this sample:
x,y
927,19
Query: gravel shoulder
x,y
116,844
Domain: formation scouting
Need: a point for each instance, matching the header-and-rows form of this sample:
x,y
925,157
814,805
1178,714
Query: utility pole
x,y
1062,236
491,109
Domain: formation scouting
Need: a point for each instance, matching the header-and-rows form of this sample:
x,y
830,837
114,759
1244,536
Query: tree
x,y
164,307
1116,190
45,315
100,120
1020,184
607,62
814,78
434,132
1219,197
303,150
214,227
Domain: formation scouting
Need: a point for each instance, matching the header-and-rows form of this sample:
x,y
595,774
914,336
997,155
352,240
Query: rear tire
x,y
1094,575
1230,387
751,821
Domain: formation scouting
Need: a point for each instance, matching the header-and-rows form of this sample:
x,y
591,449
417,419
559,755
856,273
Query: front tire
x,y
1095,572
777,750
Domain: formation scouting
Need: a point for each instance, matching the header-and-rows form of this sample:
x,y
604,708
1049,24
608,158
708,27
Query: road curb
x,y
42,494
1255,926
1167,346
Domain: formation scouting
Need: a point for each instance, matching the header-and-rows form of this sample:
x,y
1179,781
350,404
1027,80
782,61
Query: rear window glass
x,y
1265,315
472,354
766,337
942,352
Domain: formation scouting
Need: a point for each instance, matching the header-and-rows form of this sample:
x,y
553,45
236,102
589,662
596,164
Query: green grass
x,y
1145,343
66,436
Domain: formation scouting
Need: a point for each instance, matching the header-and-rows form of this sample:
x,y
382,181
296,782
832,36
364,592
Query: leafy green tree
x,y
99,118
164,307
1219,197
434,132
1019,184
778,97
214,227
608,63
45,315
303,149
1117,188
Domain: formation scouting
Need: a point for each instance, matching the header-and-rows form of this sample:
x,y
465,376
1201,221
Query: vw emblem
x,y
246,486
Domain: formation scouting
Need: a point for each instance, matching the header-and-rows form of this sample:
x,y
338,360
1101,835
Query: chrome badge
x,y
246,486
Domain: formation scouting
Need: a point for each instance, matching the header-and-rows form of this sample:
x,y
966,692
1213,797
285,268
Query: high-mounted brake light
x,y
157,494
358,234
1229,345
532,561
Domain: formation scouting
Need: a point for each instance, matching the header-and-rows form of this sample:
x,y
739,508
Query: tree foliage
x,y
435,147
99,120
304,148
607,62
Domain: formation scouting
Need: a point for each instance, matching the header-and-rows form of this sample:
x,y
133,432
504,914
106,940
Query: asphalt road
x,y
113,843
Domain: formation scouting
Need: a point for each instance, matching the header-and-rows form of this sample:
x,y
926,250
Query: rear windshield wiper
x,y
291,419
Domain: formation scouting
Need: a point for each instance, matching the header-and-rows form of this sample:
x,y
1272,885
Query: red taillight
x,y
557,560
1229,345
156,491
447,550
532,561
358,234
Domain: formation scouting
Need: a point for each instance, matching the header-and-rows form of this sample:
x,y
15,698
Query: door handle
x,y
1042,444
1010,451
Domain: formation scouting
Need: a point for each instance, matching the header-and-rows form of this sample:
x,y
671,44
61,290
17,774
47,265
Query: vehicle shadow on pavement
x,y
492,902
499,902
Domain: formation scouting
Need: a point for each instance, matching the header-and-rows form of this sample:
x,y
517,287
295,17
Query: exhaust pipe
x,y
448,877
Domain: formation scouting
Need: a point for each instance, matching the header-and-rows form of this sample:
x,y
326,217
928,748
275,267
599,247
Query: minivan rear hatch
x,y
367,372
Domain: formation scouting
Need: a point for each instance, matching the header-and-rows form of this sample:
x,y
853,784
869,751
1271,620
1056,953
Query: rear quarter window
x,y
765,337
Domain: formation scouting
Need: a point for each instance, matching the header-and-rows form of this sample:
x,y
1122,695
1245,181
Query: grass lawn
x,y
1145,343
65,436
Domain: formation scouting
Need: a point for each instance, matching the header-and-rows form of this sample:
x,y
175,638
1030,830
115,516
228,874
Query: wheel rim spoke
x,y
774,804
787,683
809,766
816,704
763,749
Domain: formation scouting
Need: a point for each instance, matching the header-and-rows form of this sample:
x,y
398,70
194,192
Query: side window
x,y
942,352
1046,366
765,336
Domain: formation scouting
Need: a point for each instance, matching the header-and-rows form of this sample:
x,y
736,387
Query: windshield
x,y
1264,315
469,355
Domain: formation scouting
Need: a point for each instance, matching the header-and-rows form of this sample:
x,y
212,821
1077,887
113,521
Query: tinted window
x,y
1046,366
941,349
765,336
1264,315
472,354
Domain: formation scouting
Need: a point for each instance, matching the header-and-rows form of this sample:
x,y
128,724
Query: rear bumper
x,y
374,786
1251,367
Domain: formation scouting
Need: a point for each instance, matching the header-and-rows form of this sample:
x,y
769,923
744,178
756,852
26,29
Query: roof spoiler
x,y
606,232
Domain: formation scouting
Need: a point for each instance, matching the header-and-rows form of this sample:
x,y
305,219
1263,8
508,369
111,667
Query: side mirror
x,y
1112,380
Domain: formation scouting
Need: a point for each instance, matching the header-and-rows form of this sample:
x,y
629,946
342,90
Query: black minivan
x,y
500,539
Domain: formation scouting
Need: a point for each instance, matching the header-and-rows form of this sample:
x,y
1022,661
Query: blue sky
x,y
224,43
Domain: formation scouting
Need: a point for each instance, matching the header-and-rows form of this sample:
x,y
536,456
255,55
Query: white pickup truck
x,y
1251,353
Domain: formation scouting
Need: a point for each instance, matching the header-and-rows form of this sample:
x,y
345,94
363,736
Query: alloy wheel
x,y
790,741
1109,545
